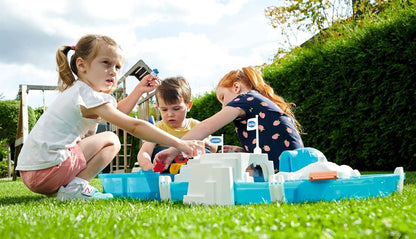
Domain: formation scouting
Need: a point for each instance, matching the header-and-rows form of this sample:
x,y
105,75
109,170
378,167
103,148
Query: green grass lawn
x,y
24,214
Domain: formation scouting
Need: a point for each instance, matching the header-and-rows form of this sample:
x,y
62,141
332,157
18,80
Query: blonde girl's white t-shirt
x,y
61,127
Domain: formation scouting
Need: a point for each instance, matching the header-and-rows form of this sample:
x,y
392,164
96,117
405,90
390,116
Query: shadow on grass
x,y
11,200
15,192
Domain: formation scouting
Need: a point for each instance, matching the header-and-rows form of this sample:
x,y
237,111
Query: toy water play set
x,y
220,179
305,175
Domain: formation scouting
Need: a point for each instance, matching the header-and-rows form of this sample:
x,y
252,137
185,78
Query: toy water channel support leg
x,y
276,188
164,187
399,171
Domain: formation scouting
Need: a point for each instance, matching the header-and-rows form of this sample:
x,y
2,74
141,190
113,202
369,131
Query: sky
x,y
199,40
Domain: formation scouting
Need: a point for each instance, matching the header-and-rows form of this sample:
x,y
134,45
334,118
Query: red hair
x,y
253,80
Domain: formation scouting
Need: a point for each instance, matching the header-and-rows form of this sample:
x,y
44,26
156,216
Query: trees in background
x,y
9,115
296,18
355,90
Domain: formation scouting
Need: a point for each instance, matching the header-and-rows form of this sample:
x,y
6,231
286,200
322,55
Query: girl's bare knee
x,y
113,140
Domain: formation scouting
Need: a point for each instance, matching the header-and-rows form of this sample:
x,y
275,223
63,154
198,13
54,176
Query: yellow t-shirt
x,y
177,132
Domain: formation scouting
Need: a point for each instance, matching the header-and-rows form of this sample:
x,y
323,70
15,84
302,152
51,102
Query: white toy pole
x,y
257,149
222,143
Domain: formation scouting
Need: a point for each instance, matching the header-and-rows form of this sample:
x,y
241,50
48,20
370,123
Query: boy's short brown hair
x,y
174,89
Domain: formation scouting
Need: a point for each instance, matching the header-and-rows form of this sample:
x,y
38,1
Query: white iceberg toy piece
x,y
343,171
211,177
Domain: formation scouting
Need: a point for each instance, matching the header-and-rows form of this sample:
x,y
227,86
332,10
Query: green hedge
x,y
356,92
9,115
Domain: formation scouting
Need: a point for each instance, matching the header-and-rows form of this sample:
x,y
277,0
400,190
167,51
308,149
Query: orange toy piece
x,y
174,168
316,176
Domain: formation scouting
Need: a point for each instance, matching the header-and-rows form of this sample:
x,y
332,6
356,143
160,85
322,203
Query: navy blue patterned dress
x,y
277,131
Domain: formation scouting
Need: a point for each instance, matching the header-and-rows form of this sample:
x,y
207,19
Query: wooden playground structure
x,y
122,162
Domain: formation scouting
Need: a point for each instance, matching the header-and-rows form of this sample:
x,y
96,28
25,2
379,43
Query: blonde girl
x,y
62,152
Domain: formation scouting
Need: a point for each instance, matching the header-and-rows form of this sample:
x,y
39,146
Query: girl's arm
x,y
142,129
212,148
214,123
147,84
144,157
202,130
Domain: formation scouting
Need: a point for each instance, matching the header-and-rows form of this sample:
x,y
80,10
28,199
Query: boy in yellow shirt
x,y
173,98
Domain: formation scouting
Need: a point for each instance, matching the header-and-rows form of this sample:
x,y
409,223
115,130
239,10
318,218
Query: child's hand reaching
x,y
191,148
149,83
165,157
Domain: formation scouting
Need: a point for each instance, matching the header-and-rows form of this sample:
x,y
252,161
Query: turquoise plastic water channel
x,y
145,186
299,191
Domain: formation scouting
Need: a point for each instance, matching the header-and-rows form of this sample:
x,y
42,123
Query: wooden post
x,y
23,126
9,164
117,156
25,115
125,159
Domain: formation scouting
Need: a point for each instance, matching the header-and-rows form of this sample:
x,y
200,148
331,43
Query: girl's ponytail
x,y
66,78
257,82
254,81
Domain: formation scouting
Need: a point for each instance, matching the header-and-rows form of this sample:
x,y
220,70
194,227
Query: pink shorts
x,y
49,180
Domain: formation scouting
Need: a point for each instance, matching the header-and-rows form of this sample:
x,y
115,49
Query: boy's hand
x,y
190,148
165,157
